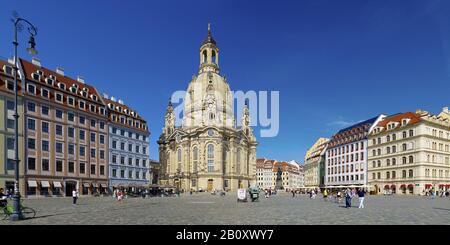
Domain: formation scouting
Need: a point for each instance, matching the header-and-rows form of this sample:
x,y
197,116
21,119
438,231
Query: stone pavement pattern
x,y
206,209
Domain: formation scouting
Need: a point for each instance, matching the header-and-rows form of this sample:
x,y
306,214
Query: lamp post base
x,y
17,213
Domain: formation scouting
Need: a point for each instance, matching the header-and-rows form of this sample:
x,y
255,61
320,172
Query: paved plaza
x,y
215,210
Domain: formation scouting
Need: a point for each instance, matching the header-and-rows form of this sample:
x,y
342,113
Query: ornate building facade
x,y
314,163
208,151
290,174
409,153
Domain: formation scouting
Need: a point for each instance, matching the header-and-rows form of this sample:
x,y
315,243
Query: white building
x,y
346,155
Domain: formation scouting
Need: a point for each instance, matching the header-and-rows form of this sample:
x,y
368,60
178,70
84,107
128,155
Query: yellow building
x,y
208,151
7,165
408,153
314,157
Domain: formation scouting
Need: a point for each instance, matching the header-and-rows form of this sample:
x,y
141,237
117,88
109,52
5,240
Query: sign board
x,y
241,193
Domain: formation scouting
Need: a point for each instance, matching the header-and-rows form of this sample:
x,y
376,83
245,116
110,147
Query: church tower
x,y
209,54
208,151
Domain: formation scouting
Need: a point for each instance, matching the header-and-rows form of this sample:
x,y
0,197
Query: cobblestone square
x,y
207,209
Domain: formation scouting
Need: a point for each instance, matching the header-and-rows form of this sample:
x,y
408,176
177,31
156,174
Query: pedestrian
x,y
3,198
348,198
361,194
325,194
293,193
75,196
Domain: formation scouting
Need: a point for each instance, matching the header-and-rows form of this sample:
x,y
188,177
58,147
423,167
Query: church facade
x,y
209,151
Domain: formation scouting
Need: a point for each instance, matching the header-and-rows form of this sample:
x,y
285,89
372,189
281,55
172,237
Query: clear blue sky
x,y
334,62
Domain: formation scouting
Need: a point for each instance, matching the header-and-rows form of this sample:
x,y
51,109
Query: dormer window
x,y
8,70
405,121
83,93
73,90
49,81
41,73
62,86
52,77
36,76
93,97
110,106
126,111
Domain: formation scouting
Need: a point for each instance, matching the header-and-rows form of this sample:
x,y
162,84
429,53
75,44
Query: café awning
x,y
95,185
392,186
57,184
32,183
403,186
45,184
410,186
86,184
386,187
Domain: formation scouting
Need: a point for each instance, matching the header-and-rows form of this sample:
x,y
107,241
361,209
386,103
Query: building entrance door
x,y
70,186
210,185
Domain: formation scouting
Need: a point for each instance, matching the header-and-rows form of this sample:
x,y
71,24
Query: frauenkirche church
x,y
208,151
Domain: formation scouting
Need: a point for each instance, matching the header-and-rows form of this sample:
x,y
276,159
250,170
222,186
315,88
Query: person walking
x,y
325,194
75,196
293,193
348,198
361,194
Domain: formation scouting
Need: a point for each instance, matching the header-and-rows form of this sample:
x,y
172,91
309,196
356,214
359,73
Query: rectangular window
x,y
45,165
130,161
45,93
114,159
102,154
31,89
102,170
44,110
138,161
31,107
70,117
81,104
92,137
71,167
10,86
102,139
45,127
93,123
31,144
31,163
82,135
92,169
71,149
45,145
122,160
114,173
71,132
82,120
10,143
82,168
122,173
59,97
82,151
102,125
114,144
59,166
70,101
92,153
122,146
31,124
130,174
137,149
10,123
59,147
59,130
59,114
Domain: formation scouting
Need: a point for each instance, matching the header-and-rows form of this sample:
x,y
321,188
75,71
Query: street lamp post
x,y
17,213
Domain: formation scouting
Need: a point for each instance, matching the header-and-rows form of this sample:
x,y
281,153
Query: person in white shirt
x,y
75,196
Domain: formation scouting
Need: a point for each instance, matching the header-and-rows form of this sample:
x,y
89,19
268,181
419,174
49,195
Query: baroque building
x,y
314,168
409,153
290,174
208,151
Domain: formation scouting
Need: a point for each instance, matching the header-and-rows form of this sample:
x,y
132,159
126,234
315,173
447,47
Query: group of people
x,y
269,192
348,194
434,193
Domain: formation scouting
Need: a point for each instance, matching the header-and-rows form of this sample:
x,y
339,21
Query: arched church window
x,y
195,158
210,158
205,56
179,158
238,161
214,57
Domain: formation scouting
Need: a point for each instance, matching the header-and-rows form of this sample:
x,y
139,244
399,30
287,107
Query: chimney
x,y
80,79
120,101
60,71
113,98
36,61
105,96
